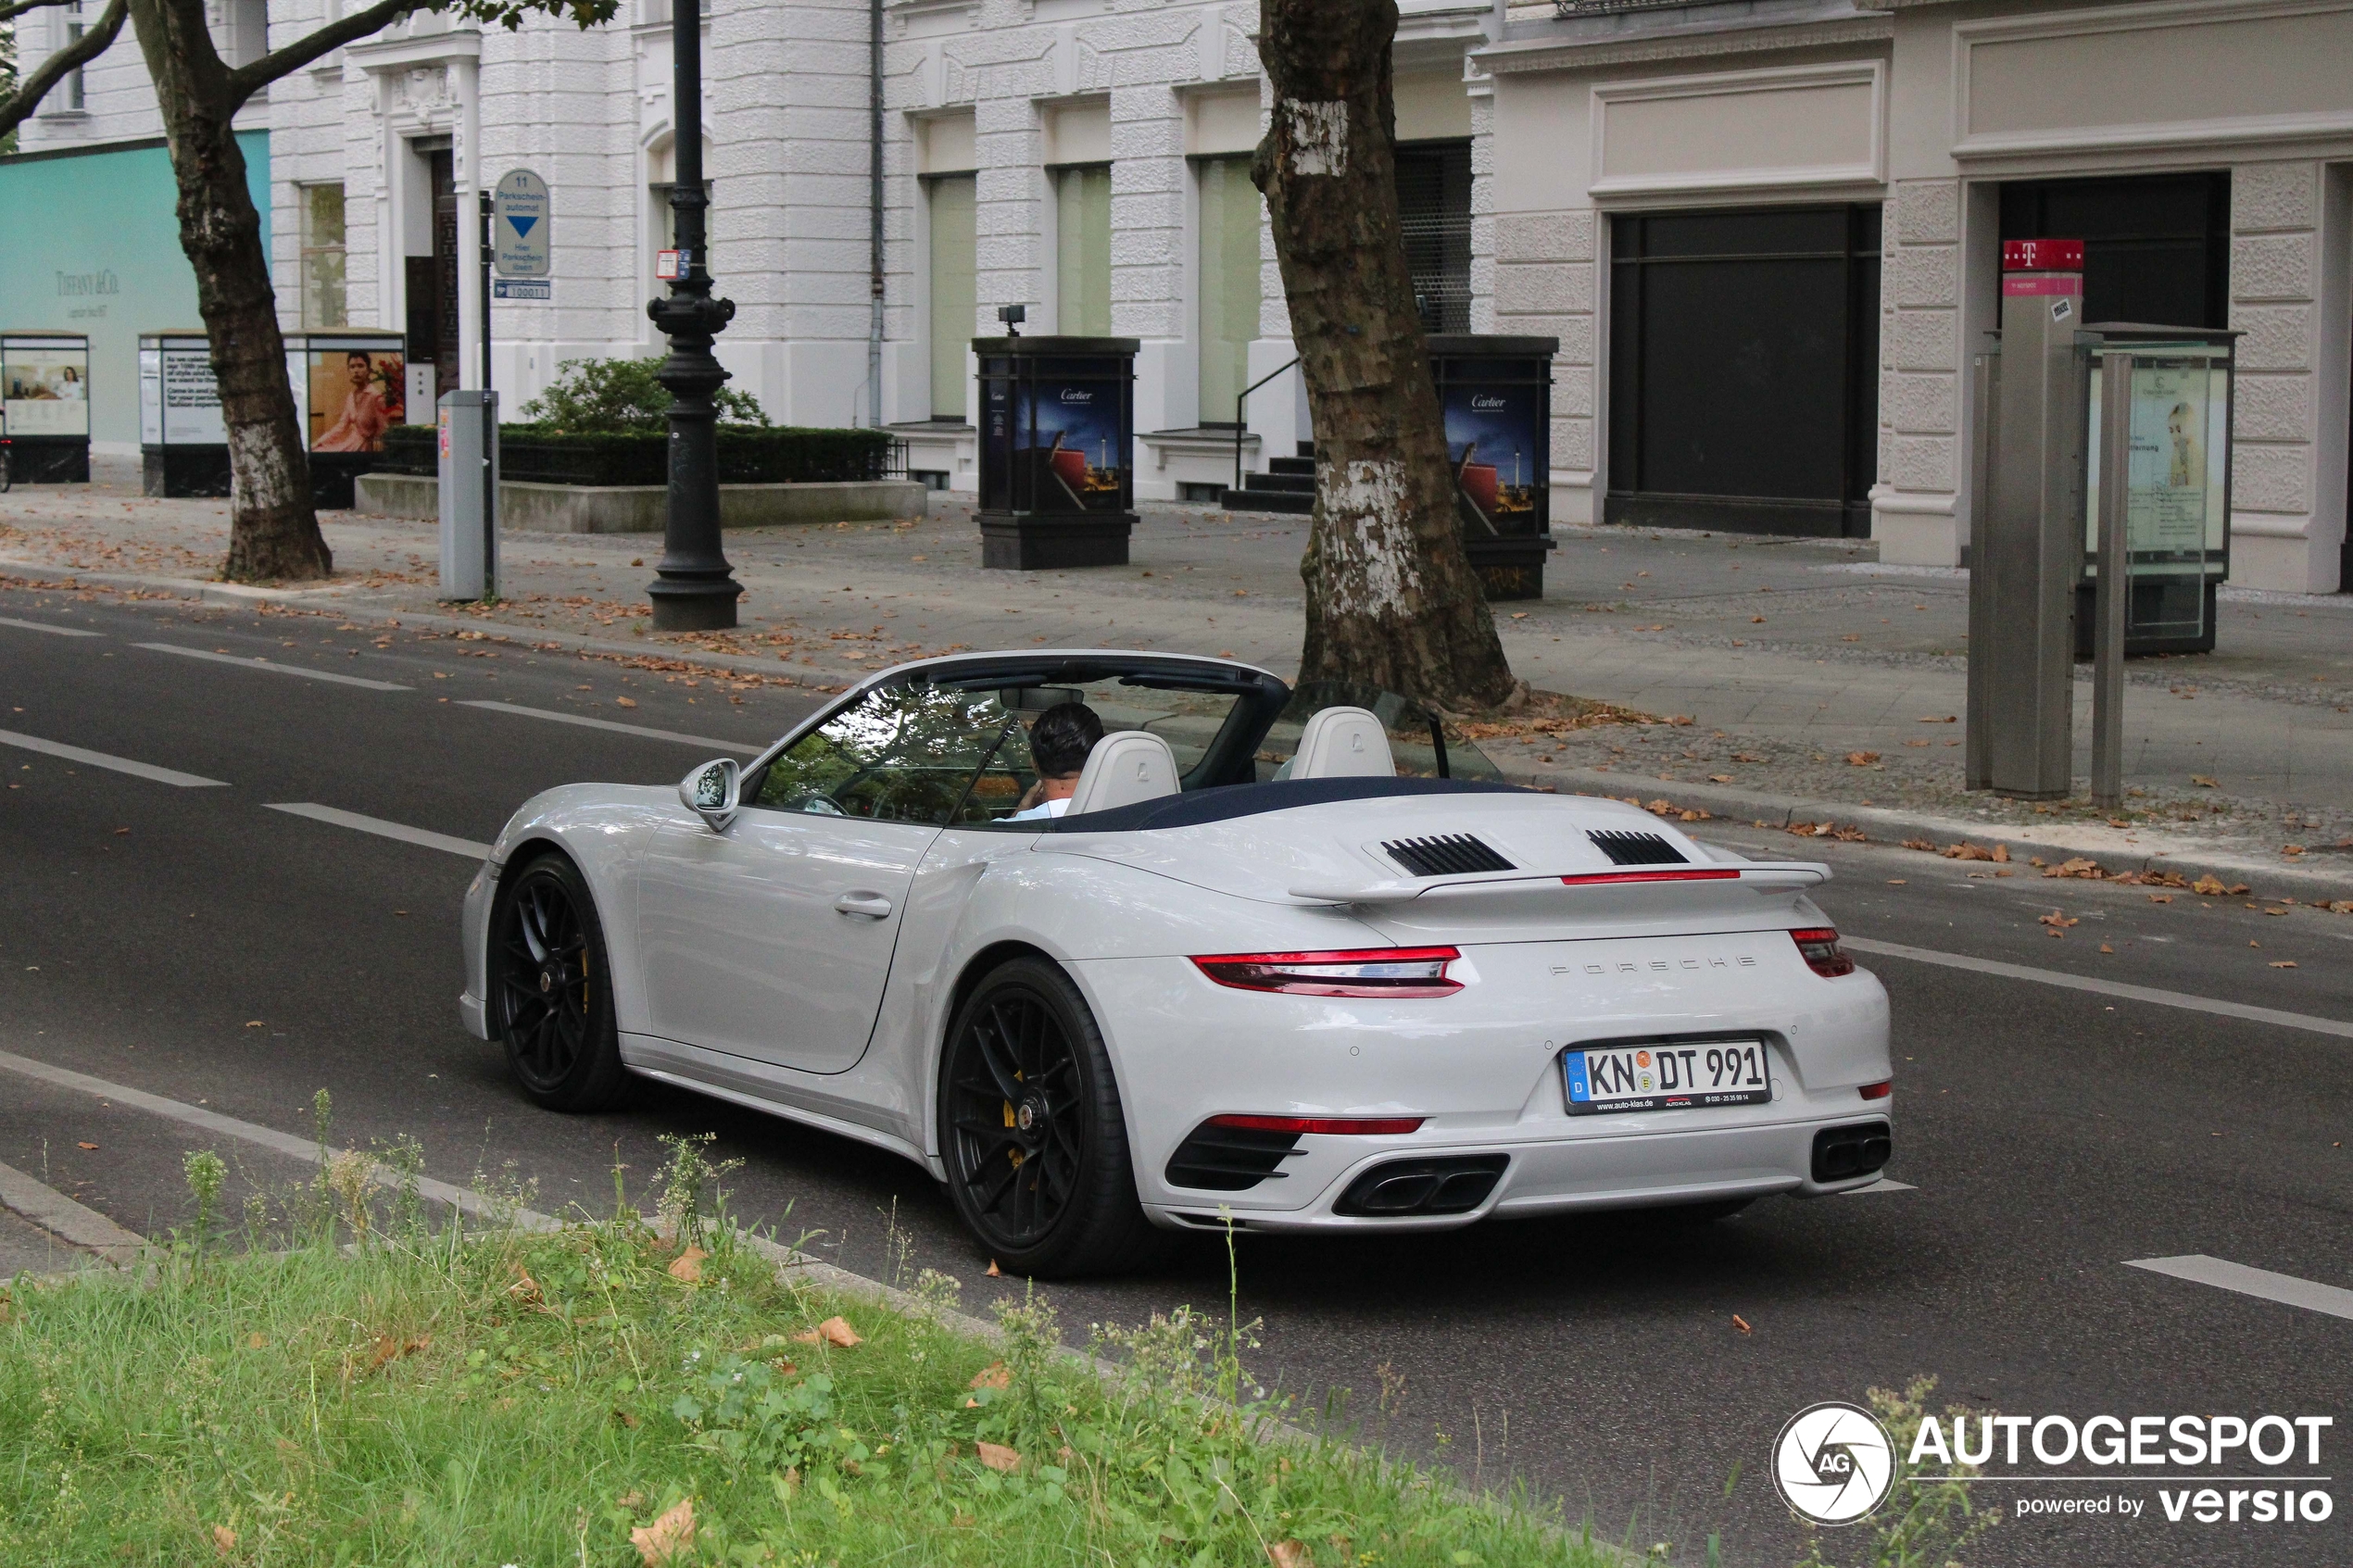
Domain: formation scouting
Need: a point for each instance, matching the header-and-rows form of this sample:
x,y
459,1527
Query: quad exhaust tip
x,y
1397,1188
1855,1151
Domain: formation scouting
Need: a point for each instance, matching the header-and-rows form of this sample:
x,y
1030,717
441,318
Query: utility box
x,y
1057,438
2026,545
2177,516
44,406
1495,394
468,441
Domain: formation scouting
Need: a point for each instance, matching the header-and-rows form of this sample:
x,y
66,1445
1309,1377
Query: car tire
x,y
1031,1130
549,991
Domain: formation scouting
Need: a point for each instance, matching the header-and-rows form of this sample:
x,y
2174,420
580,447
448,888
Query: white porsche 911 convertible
x,y
1290,955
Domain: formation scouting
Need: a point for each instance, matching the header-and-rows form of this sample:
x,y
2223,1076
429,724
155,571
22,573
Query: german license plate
x,y
1668,1077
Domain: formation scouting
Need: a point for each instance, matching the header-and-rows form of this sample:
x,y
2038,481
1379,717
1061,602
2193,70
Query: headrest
x,y
1343,742
1126,766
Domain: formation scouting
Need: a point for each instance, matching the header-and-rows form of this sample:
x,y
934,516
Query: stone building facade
x,y
1765,231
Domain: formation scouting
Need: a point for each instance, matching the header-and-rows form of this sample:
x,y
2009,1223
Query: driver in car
x,y
1059,742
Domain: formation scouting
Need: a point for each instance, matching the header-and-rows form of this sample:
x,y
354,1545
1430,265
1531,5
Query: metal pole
x,y
693,588
483,249
874,212
2111,591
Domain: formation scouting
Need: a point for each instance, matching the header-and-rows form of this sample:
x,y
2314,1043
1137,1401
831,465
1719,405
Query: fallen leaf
x,y
631,1499
629,1420
1756,620
525,1288
1895,882
2057,920
995,1374
256,1341
993,1273
999,1457
1934,719
224,1539
2160,898
2283,964
391,1347
1742,1324
2105,949
119,832
2203,782
2078,866
1719,778
85,1145
255,1023
1920,844
833,1331
1289,1554
687,1265
2002,853
672,1533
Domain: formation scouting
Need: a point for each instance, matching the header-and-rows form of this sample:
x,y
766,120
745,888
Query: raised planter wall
x,y
640,509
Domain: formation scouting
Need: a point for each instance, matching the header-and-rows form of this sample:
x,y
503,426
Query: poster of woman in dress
x,y
355,396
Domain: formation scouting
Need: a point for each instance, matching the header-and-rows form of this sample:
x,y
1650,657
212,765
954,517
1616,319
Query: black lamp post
x,y
693,589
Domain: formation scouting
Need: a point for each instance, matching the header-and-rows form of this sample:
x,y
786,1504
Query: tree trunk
x,y
1391,600
273,531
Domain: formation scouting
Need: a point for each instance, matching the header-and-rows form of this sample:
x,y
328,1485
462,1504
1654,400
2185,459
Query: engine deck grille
x,y
1629,849
1450,854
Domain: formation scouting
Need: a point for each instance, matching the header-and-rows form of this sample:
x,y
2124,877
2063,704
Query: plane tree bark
x,y
273,530
25,95
1391,599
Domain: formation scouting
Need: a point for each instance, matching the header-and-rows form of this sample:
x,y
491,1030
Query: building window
x,y
322,256
955,297
240,30
67,96
2156,247
1743,369
1229,274
1433,207
1082,250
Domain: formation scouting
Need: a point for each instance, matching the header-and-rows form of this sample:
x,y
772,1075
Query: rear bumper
x,y
1556,1175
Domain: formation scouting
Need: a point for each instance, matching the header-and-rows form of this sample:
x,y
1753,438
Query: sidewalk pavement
x,y
43,1232
1818,683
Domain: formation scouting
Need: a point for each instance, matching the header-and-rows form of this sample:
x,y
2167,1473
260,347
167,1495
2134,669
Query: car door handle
x,y
872,904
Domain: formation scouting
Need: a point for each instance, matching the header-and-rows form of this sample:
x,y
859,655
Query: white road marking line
x,y
424,837
274,668
1883,1184
586,722
2105,987
2222,1274
45,626
120,764
302,1149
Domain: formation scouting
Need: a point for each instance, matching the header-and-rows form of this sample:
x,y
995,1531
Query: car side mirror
x,y
714,792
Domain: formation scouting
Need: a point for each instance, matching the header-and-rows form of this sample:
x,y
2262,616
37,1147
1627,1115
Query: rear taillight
x,y
1353,1126
1819,946
1365,972
1877,1091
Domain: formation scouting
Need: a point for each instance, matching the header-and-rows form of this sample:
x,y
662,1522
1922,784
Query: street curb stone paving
x,y
51,1210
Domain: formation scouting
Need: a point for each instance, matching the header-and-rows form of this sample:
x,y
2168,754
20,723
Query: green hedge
x,y
748,455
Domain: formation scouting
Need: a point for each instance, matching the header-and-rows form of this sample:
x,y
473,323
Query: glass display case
x,y
44,406
1495,394
2177,516
1057,436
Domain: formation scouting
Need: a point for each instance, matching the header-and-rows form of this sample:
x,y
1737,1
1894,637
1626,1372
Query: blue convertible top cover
x,y
1225,802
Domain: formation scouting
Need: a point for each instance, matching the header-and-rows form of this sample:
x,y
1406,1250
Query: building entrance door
x,y
1743,369
2157,248
432,279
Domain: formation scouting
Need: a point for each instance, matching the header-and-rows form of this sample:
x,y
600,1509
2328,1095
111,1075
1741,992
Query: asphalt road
x,y
189,942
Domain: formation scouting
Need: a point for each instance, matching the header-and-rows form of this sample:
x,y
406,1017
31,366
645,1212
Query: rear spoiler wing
x,y
1757,876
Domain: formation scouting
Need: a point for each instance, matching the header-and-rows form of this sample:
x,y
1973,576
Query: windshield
x,y
917,752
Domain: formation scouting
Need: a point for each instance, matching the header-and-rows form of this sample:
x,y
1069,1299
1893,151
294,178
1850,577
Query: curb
x,y
70,1222
1889,826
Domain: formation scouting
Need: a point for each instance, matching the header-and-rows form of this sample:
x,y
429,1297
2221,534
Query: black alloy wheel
x,y
1036,1149
550,1000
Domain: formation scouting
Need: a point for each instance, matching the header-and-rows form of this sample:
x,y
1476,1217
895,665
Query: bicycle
x,y
5,479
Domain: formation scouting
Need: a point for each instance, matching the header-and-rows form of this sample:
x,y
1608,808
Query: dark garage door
x,y
1744,377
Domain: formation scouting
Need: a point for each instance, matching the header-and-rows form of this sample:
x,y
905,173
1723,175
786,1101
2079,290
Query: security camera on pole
x,y
693,589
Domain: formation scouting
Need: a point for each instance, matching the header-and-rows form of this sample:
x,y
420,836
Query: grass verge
x,y
599,1395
